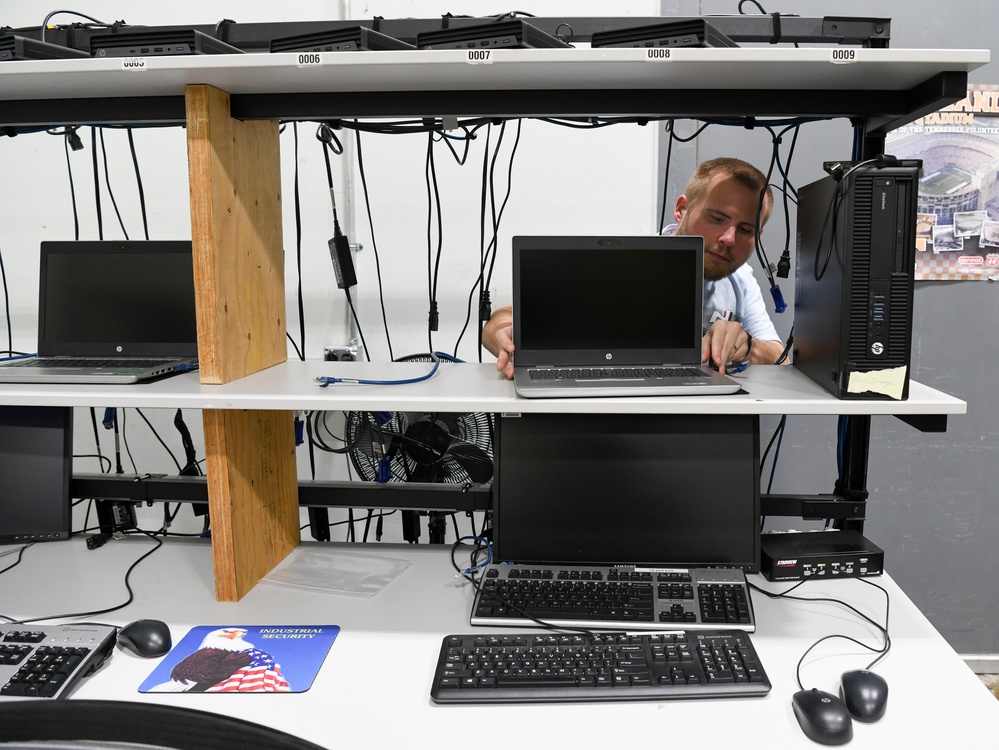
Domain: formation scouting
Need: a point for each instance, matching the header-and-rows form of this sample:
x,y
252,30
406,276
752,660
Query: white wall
x,y
564,181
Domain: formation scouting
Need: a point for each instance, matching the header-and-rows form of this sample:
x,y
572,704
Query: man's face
x,y
726,218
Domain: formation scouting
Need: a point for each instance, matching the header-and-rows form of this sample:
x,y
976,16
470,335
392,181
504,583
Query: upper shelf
x,y
467,387
886,86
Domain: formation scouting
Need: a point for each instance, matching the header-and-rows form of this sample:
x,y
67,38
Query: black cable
x,y
882,651
161,442
72,182
434,208
138,183
20,555
298,250
107,182
374,244
97,182
357,322
128,587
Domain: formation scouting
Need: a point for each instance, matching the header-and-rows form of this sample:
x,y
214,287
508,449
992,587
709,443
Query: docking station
x,y
794,556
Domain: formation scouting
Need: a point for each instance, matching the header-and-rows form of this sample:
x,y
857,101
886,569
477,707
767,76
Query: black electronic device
x,y
819,554
16,47
497,35
151,42
689,32
855,267
339,40
433,447
36,463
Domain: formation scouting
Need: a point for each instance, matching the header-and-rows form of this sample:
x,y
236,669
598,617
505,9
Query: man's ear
x,y
680,209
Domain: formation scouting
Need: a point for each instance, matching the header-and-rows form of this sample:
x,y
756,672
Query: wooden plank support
x,y
234,172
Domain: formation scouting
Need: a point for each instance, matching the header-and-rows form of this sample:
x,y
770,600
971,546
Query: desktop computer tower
x,y
855,265
36,467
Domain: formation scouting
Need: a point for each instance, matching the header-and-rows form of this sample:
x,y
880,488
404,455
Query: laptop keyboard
x,y
111,364
613,373
45,663
508,668
607,598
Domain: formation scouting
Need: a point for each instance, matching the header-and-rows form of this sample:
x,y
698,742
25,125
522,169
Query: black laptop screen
x,y
642,489
117,298
578,299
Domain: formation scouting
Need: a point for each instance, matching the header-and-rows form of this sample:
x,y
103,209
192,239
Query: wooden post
x,y
234,172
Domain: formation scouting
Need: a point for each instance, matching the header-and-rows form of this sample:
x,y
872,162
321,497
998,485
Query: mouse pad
x,y
243,659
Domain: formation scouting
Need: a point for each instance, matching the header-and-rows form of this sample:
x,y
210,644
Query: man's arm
x,y
497,337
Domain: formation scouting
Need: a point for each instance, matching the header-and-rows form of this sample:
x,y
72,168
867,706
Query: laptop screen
x,y
643,489
579,299
108,298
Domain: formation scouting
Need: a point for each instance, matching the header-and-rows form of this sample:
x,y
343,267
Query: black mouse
x,y
146,637
865,694
823,717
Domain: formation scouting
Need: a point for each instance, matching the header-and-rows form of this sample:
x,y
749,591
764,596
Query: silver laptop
x,y
610,316
111,312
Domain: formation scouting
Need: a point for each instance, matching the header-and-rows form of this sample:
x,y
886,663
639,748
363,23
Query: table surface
x,y
935,699
464,387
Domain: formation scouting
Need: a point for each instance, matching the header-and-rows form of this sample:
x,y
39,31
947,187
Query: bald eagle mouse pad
x,y
243,659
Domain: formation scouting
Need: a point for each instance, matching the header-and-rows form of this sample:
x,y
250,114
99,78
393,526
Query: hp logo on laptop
x,y
608,355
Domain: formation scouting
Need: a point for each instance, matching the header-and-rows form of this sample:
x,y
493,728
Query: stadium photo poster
x,y
243,659
957,226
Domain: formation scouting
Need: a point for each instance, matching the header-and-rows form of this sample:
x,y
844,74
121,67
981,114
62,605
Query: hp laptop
x,y
610,316
634,521
111,312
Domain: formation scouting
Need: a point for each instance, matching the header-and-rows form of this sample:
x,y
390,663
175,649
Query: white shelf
x,y
507,69
462,388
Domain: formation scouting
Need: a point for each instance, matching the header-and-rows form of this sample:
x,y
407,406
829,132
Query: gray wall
x,y
932,503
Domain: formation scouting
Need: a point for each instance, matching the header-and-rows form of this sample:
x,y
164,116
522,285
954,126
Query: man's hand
x,y
727,341
497,337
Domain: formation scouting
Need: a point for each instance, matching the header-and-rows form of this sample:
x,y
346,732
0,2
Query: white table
x,y
935,699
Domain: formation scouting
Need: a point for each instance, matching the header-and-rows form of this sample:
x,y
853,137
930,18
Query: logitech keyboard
x,y
46,661
562,667
607,598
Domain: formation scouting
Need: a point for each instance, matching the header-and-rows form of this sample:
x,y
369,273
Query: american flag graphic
x,y
261,675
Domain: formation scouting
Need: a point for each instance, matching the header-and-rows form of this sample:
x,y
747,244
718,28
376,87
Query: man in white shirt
x,y
719,204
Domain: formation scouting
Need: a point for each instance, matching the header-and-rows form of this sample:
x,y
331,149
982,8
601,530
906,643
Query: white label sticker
x,y
133,63
308,59
657,54
843,55
477,56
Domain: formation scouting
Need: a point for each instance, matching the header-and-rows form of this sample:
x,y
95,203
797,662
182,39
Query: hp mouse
x,y
147,638
823,717
865,694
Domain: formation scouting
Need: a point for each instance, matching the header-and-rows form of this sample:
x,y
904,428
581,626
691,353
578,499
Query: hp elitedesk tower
x,y
856,259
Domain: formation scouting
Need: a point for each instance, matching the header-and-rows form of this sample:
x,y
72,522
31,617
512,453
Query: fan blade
x,y
473,460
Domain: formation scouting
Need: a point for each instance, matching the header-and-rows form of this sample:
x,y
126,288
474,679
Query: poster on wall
x,y
957,229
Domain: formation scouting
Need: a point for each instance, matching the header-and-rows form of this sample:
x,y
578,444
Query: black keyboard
x,y
47,662
613,373
511,668
602,598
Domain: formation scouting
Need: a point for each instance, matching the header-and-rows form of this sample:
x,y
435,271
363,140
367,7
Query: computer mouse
x,y
865,694
147,638
823,717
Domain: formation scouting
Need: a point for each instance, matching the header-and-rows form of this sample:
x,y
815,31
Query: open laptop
x,y
659,511
111,312
610,316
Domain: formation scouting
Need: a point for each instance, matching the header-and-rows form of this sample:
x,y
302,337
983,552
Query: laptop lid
x,y
610,316
669,490
129,299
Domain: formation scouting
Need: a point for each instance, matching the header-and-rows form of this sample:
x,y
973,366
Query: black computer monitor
x,y
642,489
36,466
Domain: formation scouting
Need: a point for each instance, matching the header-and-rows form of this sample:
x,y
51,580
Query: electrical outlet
x,y
340,353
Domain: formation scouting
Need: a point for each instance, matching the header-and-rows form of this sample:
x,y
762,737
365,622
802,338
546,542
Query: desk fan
x,y
434,447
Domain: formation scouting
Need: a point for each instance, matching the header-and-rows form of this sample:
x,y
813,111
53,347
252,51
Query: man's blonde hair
x,y
739,170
